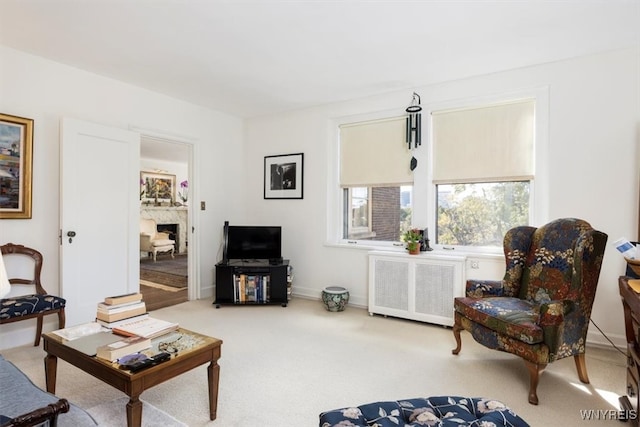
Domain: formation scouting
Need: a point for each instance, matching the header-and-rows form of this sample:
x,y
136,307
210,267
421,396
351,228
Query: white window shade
x,y
374,154
488,144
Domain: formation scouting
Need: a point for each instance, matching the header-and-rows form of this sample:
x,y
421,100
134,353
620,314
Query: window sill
x,y
467,252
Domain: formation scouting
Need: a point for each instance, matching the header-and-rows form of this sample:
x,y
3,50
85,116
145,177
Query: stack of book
x,y
120,309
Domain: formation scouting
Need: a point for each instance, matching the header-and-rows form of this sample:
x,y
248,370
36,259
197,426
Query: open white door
x,y
99,215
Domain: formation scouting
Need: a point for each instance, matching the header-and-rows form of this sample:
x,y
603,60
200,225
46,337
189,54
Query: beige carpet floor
x,y
281,367
111,414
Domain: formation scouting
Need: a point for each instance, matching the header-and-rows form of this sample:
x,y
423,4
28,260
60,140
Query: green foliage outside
x,y
480,214
405,220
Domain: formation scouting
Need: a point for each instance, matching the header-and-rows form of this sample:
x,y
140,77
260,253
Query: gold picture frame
x,y
157,187
16,166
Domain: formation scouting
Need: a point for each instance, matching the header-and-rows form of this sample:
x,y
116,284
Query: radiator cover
x,y
416,287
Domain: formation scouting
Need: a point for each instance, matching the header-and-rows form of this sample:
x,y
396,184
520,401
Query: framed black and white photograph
x,y
283,176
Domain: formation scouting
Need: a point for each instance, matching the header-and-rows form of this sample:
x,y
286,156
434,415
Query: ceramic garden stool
x,y
445,411
335,298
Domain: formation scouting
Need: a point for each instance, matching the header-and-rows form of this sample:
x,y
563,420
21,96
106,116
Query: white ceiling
x,y
251,58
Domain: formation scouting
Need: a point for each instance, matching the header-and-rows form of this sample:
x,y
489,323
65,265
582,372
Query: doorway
x,y
165,281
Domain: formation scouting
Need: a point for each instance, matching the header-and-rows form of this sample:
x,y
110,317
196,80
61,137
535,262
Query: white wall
x,y
594,132
594,129
47,91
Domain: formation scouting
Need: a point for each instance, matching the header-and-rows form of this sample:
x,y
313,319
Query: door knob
x,y
71,235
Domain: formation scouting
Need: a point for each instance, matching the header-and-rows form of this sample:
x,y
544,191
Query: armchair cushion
x,y
513,317
24,396
162,242
29,304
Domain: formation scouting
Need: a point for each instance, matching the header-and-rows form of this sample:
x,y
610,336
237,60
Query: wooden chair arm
x,y
40,415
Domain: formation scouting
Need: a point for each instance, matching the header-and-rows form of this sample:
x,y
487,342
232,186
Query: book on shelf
x,y
121,299
251,288
122,347
116,323
149,327
125,313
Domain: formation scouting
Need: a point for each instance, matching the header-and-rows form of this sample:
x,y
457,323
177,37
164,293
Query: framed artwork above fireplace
x,y
157,187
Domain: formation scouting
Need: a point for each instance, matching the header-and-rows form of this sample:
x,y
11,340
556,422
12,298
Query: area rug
x,y
160,286
176,266
162,278
114,414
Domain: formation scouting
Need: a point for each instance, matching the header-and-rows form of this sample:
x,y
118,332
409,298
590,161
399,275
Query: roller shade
x,y
374,154
486,144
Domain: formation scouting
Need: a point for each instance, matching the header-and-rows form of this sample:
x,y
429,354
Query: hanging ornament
x,y
414,127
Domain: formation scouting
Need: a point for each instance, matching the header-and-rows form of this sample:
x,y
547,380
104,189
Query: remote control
x,y
147,363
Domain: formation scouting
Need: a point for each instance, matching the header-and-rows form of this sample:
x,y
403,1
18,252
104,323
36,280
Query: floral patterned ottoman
x,y
440,411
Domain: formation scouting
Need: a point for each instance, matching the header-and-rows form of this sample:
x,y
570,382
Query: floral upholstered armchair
x,y
540,310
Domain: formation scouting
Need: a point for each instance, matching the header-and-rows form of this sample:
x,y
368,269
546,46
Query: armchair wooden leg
x,y
534,375
456,333
38,330
581,366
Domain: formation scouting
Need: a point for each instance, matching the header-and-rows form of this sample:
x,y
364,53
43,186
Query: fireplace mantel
x,y
167,215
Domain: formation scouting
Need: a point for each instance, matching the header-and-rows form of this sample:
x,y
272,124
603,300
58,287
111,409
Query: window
x,y
483,168
358,213
377,213
477,166
479,214
375,180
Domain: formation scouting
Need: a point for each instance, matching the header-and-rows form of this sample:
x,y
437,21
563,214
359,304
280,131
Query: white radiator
x,y
417,287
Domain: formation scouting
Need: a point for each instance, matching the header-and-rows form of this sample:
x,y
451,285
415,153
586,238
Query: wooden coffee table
x,y
207,350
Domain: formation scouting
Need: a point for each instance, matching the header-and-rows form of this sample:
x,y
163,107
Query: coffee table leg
x,y
134,412
214,377
50,371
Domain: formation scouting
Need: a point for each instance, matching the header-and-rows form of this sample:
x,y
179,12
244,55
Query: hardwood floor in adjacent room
x,y
155,298
164,283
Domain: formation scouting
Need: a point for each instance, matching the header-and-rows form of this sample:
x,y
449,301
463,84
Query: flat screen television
x,y
253,242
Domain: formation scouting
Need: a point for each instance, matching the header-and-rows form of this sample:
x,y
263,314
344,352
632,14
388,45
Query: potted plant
x,y
412,238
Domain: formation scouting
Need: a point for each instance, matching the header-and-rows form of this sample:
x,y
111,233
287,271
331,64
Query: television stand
x,y
251,282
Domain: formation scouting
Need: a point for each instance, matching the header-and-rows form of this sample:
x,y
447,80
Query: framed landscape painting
x,y
283,176
157,187
16,158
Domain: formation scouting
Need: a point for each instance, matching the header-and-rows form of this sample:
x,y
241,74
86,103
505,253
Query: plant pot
x,y
414,250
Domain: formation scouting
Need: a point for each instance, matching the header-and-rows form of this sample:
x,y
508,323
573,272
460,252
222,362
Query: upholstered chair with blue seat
x,y
540,310
34,305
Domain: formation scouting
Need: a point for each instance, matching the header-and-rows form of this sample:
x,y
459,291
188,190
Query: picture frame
x,y
157,187
283,176
16,166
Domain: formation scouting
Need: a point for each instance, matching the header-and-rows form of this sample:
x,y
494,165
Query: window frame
x,y
350,228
